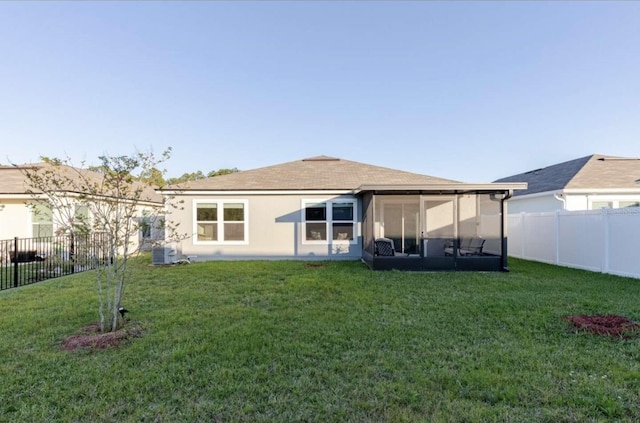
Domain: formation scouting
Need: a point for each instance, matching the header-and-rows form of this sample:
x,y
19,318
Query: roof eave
x,y
602,190
175,192
445,188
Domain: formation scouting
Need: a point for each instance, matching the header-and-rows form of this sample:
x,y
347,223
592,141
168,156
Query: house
x,y
330,208
587,183
23,216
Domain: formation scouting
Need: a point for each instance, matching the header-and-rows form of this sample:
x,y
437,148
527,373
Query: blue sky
x,y
471,91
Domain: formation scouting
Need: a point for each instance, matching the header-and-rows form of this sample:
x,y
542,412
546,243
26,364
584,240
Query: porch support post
x,y
503,234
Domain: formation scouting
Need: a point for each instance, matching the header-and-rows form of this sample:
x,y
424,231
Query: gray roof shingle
x,y
315,173
591,172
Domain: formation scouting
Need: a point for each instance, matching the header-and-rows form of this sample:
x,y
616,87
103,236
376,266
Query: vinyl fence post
x,y
15,262
523,242
558,236
606,215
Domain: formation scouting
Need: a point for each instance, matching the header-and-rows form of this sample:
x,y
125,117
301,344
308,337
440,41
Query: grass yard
x,y
284,342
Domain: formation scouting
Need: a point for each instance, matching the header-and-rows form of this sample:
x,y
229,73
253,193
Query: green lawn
x,y
283,342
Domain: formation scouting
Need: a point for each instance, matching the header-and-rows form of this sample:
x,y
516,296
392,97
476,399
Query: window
x,y
316,218
601,205
81,217
625,204
42,220
145,224
221,221
233,224
614,204
342,225
329,221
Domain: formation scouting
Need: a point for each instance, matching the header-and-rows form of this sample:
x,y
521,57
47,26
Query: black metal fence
x,y
24,261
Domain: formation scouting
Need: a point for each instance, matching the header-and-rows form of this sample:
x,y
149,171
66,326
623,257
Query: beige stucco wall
x,y
275,230
15,219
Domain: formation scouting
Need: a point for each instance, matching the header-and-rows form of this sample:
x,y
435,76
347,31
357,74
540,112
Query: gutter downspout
x,y
560,197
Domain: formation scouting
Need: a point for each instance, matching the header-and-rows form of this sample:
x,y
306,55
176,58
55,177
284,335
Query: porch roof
x,y
447,188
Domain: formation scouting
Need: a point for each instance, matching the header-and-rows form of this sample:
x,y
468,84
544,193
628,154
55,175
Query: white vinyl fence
x,y
606,240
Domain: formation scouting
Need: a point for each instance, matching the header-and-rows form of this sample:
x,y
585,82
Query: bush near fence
x,y
606,240
24,261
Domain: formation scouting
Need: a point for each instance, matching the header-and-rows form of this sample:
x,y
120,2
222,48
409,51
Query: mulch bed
x,y
94,340
605,324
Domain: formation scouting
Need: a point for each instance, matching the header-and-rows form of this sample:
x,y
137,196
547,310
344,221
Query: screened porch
x,y
444,229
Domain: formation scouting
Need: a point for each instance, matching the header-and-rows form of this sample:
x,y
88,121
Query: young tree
x,y
221,172
186,177
197,175
116,194
154,177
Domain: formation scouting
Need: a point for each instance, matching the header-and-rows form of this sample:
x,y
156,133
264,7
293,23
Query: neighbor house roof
x,y
14,182
315,173
595,172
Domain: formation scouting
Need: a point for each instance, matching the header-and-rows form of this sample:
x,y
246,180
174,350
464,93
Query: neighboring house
x,y
329,208
587,183
22,216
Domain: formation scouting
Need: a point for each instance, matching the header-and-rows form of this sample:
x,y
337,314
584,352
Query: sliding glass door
x,y
400,222
438,220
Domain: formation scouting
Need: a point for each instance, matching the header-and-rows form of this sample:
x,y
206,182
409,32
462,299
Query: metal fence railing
x,y
24,261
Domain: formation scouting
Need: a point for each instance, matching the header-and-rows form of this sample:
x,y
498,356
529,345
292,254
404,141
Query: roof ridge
x,y
322,158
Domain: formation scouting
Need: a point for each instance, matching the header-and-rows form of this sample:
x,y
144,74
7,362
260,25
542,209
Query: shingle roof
x,y
591,172
315,173
14,182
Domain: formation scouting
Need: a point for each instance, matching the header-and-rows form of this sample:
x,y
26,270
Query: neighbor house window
x,y
625,204
614,204
146,222
601,205
42,220
81,217
329,221
221,221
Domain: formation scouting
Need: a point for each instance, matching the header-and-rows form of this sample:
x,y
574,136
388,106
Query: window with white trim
x,y
595,205
329,221
81,217
41,220
145,223
221,221
613,204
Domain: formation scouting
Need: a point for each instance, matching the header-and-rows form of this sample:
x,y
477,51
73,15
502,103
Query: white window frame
x,y
78,205
615,201
145,225
329,221
33,220
220,210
